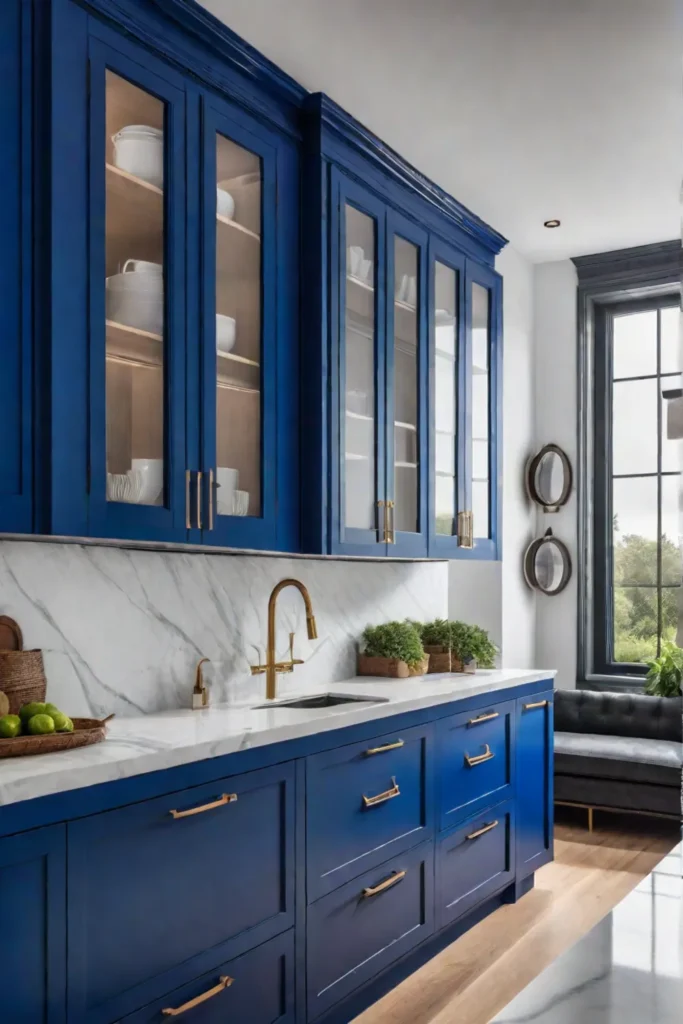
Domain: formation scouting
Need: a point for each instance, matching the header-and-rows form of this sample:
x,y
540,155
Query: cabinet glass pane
x,y
445,396
360,340
406,440
134,291
480,411
238,330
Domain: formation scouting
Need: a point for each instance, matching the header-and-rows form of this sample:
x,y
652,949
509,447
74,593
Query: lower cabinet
x,y
359,929
33,914
534,796
257,988
474,862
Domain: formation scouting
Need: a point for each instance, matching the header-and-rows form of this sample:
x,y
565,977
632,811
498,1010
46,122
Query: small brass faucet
x,y
200,696
272,667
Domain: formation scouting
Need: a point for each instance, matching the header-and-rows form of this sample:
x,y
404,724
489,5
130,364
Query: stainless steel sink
x,y
321,700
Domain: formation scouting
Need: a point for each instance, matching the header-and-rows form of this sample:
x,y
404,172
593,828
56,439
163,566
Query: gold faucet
x,y
200,696
272,667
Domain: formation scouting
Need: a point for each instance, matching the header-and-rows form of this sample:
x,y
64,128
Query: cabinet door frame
x,y
440,545
118,519
50,844
527,766
408,544
348,540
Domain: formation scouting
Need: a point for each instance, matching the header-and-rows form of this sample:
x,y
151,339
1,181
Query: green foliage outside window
x,y
635,607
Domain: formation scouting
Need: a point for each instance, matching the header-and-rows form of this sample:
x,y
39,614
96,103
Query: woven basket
x,y
86,732
439,658
22,673
392,668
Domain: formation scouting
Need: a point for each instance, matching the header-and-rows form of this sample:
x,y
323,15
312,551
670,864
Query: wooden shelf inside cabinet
x,y
135,219
233,225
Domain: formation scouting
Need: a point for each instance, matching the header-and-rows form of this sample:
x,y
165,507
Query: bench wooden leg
x,y
590,818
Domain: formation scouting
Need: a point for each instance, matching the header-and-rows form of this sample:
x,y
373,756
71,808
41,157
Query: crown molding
x,y
639,266
334,119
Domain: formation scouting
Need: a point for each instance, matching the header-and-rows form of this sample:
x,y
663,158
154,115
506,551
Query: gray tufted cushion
x,y
619,757
619,714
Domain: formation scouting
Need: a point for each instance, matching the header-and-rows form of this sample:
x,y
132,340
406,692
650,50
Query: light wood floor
x,y
471,980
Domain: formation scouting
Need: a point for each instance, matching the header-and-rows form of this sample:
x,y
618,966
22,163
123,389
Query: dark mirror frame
x,y
530,564
531,468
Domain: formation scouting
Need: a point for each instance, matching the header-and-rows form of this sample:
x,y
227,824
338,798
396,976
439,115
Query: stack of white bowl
x,y
135,297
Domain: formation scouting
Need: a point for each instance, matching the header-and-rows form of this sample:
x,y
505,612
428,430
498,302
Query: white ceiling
x,y
522,109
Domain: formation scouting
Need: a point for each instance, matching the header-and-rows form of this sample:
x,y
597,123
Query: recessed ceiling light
x,y
554,223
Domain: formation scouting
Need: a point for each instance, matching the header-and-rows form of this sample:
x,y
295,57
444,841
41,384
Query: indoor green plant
x,y
392,649
665,672
471,646
436,638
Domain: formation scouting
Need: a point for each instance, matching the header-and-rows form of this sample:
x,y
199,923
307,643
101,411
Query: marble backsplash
x,y
122,630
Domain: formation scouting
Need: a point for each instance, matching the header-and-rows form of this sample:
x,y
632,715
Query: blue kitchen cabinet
x,y
16,354
534,728
174,298
32,937
404,384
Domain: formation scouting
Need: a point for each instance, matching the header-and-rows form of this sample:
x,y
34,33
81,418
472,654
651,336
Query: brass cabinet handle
x,y
484,718
394,879
391,533
175,1011
381,504
389,794
465,529
480,758
199,499
383,750
482,831
227,798
211,499
188,478
538,704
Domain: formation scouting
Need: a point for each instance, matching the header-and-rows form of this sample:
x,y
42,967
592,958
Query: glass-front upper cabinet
x,y
379,491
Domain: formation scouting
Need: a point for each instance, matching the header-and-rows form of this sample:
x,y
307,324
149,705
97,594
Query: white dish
x,y
356,256
237,505
139,150
125,487
136,297
365,271
152,475
225,204
225,333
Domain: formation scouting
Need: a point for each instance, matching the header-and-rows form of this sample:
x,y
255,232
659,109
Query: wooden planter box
x,y
390,667
440,659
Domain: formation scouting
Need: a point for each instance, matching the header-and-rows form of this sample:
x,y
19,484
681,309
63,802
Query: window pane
x,y
635,530
635,624
406,440
134,258
670,340
671,530
238,330
445,383
480,411
360,498
634,426
635,344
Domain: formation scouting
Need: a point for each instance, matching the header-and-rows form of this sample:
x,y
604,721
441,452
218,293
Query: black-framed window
x,y
636,570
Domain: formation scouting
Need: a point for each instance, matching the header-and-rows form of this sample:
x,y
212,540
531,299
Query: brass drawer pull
x,y
175,1011
538,704
394,879
480,758
227,798
211,499
391,532
484,718
383,528
199,499
482,831
372,801
383,750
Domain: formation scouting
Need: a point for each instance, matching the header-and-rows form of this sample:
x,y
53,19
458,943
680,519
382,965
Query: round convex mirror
x,y
549,478
547,565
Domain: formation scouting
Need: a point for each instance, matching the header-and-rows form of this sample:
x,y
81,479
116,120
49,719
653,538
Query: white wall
x,y
494,594
556,421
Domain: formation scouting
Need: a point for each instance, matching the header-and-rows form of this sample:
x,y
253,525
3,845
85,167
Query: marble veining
x,y
628,969
123,629
166,739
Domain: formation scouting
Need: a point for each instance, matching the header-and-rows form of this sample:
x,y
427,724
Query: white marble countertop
x,y
149,743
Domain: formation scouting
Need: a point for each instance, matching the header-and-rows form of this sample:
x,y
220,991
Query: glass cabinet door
x,y
137,456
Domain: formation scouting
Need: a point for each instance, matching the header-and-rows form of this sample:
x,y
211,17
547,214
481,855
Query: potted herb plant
x,y
471,648
665,672
437,642
392,649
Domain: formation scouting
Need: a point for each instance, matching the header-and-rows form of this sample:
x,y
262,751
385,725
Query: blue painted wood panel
x,y
154,899
353,934
346,835
32,936
474,861
16,327
535,731
466,787
260,990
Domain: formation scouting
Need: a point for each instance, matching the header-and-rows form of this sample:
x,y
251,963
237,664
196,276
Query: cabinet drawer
x,y
366,802
156,890
476,761
357,930
257,987
474,862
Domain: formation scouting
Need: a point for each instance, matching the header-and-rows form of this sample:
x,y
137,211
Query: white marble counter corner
x,y
148,743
